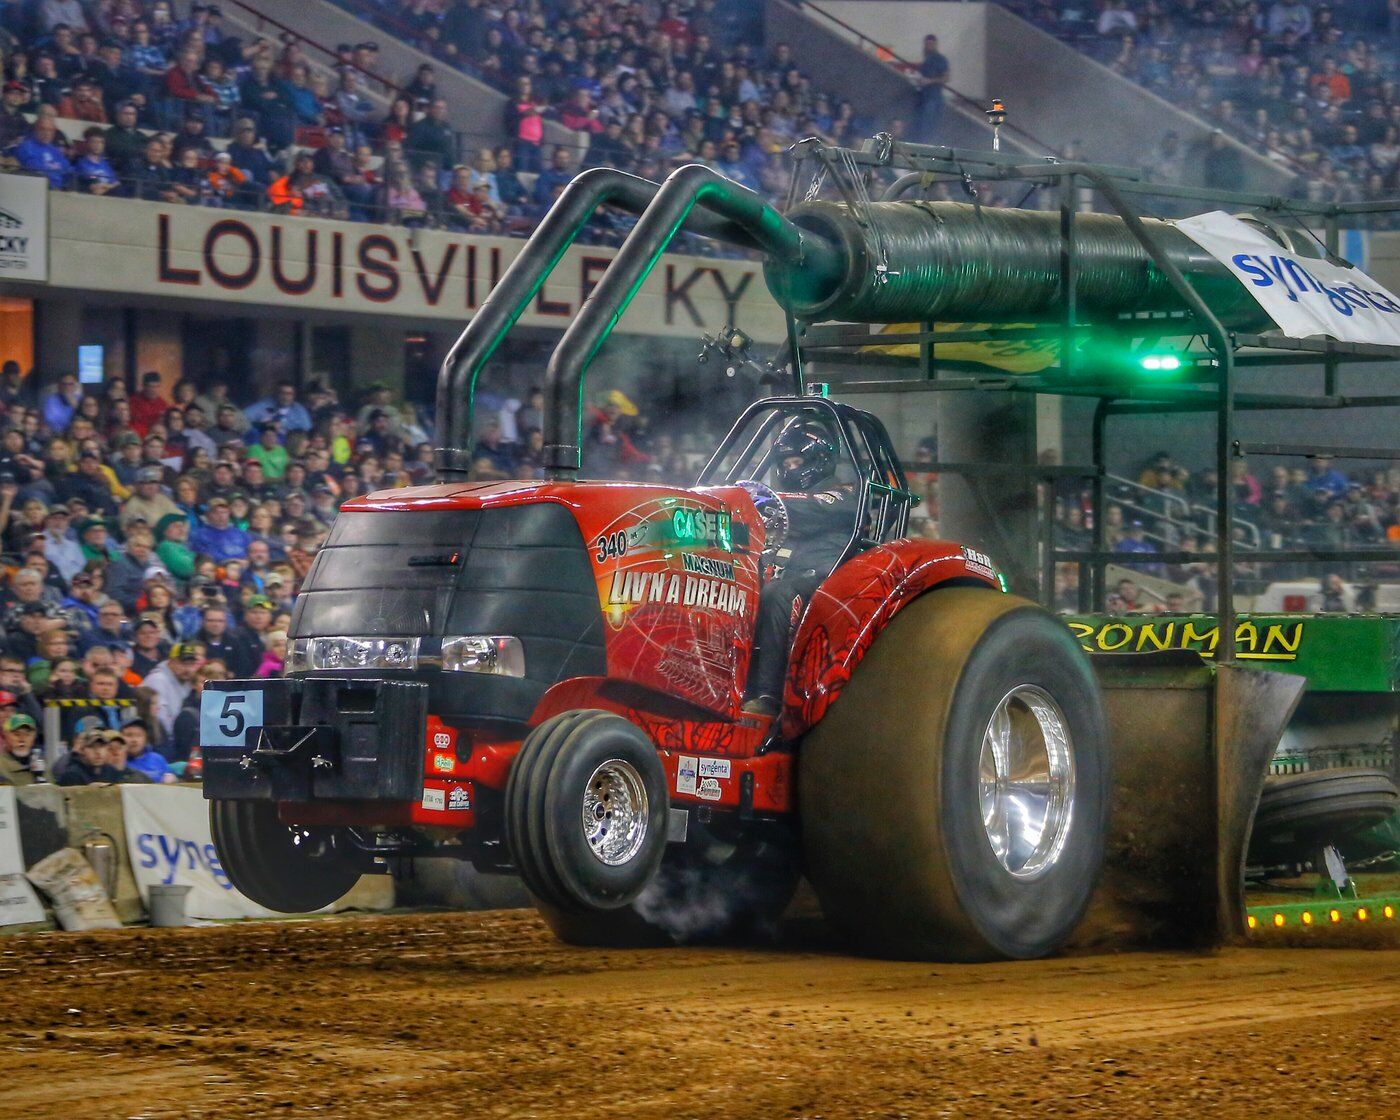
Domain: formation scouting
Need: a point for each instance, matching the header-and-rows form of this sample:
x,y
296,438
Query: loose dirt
x,y
472,1015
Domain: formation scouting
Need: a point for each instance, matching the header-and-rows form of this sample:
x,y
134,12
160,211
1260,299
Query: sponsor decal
x,y
979,562
442,740
633,587
459,798
1304,296
434,799
442,762
1274,641
715,768
685,774
611,546
709,789
707,566
701,528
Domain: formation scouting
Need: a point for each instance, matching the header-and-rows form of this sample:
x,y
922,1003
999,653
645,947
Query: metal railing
x,y
883,52
261,18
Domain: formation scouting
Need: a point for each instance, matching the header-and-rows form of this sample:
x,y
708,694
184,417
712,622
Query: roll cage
x,y
866,456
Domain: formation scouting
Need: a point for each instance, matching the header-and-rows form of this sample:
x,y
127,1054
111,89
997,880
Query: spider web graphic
x,y
693,652
853,608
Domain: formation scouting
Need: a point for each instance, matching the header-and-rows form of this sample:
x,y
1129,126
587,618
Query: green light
x,y
1161,363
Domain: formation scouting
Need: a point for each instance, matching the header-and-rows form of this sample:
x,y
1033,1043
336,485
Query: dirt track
x,y
485,1015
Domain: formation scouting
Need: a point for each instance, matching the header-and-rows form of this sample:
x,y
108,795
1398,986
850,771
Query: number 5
x,y
232,721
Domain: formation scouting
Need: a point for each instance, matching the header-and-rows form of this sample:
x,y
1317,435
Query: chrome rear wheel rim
x,y
1026,782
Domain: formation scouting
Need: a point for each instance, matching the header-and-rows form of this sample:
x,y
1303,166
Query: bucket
x,y
168,904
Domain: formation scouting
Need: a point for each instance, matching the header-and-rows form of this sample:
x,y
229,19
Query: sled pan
x,y
1191,744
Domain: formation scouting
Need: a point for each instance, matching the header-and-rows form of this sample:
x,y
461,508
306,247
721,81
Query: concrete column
x,y
160,346
376,354
58,332
994,513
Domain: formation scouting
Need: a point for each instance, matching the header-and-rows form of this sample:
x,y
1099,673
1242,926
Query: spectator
x,y
552,181
149,503
60,548
152,177
93,172
149,406
149,648
186,736
274,657
249,639
40,153
525,124
87,764
133,751
933,79
217,536
17,753
170,682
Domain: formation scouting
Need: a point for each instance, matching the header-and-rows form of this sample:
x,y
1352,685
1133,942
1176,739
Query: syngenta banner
x,y
1305,296
24,227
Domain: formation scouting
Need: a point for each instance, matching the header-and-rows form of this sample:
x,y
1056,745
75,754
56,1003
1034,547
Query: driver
x,y
820,522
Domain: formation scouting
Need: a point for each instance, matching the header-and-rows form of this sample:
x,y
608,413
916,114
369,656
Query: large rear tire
x,y
292,870
954,799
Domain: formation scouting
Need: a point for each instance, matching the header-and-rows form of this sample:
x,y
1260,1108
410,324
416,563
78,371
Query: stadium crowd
x,y
1169,508
1315,86
187,111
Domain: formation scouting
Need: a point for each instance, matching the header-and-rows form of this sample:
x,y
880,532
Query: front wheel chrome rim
x,y
1026,780
615,812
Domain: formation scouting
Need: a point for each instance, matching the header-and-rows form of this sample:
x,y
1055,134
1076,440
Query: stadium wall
x,y
320,266
1053,91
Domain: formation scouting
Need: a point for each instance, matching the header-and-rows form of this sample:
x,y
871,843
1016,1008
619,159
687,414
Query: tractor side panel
x,y
677,576
853,605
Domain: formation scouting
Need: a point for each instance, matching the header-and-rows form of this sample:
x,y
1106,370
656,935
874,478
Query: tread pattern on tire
x,y
1318,800
530,813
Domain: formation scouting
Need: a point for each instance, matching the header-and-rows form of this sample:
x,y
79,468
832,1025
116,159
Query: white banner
x,y
168,841
19,905
24,227
1305,296
306,264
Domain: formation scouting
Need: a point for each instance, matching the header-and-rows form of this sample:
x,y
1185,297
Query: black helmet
x,y
812,443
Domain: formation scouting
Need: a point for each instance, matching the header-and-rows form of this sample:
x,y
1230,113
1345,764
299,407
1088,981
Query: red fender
x,y
854,604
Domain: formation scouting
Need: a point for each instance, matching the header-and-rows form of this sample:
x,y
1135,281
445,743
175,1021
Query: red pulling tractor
x,y
549,677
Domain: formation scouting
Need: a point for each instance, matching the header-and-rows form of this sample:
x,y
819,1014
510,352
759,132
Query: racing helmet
x,y
810,441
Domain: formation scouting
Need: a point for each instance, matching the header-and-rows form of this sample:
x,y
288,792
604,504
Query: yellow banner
x,y
1015,355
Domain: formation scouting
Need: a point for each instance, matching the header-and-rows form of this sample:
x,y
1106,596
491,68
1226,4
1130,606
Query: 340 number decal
x,y
613,546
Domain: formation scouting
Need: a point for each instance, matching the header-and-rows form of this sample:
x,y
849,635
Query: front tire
x,y
291,870
586,808
954,799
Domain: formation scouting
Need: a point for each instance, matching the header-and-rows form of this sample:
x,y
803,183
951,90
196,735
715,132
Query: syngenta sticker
x,y
714,768
1305,296
685,774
